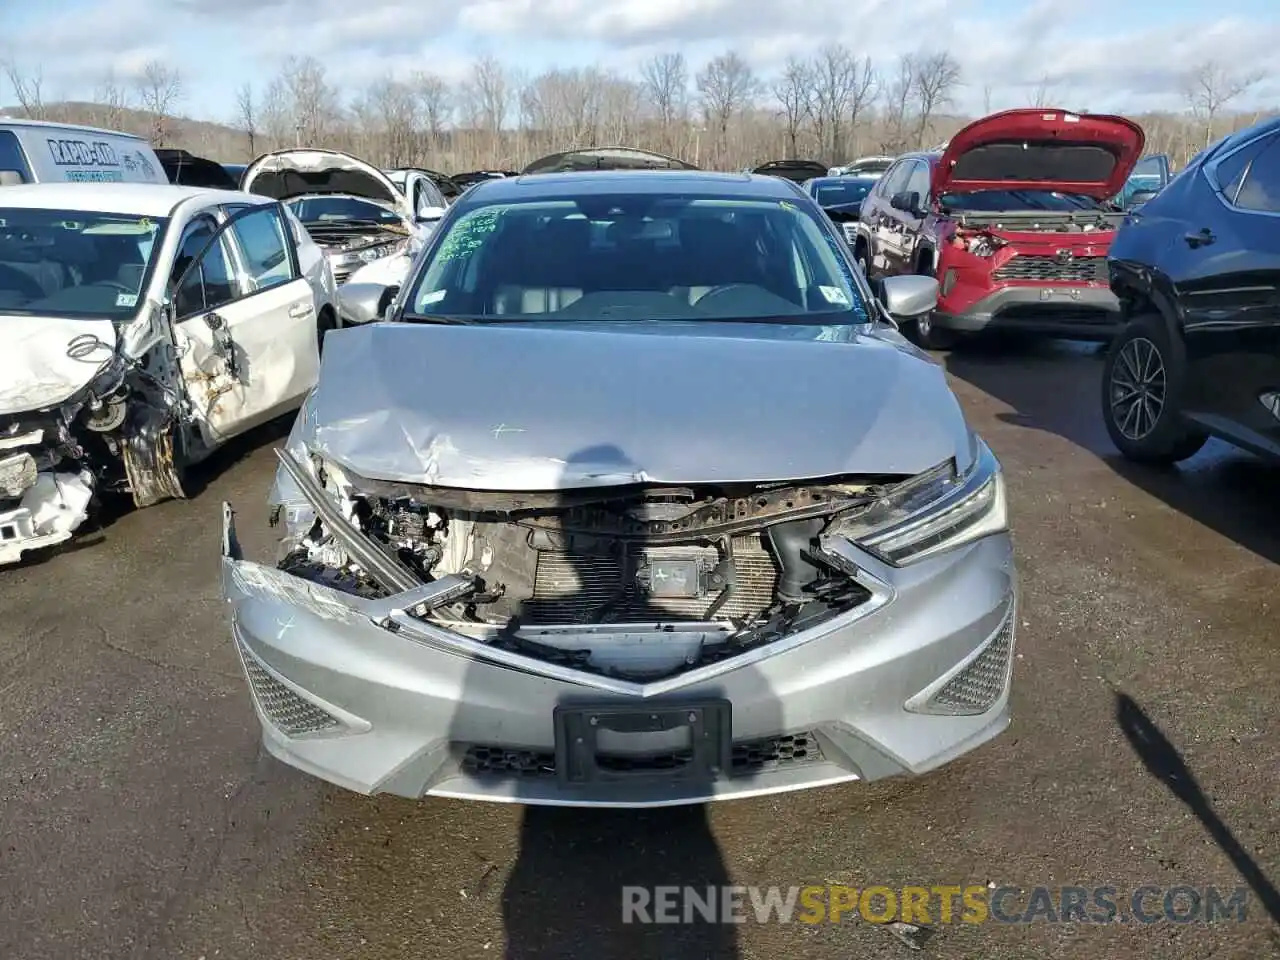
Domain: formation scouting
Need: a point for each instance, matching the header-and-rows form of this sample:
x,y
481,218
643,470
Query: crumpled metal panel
x,y
545,406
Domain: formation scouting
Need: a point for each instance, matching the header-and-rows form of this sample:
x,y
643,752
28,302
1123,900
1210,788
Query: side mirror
x,y
430,214
1140,197
364,302
909,296
11,178
906,202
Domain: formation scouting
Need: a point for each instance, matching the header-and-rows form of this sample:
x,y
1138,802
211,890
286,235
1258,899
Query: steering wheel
x,y
123,288
725,288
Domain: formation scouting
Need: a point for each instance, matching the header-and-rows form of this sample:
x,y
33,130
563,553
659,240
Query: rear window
x,y
12,157
832,194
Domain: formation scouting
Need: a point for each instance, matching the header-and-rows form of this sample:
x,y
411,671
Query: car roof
x,y
595,182
51,125
846,178
130,199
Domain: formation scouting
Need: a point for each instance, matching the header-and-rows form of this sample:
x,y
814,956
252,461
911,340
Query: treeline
x,y
832,107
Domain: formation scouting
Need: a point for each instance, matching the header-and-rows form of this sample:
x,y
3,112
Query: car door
x,y
900,225
880,225
245,325
912,220
1225,266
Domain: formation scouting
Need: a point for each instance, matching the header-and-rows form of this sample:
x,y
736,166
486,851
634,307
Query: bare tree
x,y
309,100
1209,87
1044,93
792,90
620,110
435,103
665,79
565,105
159,89
986,100
727,85
425,120
28,88
390,113
487,95
862,95
114,99
897,104
834,75
247,116
937,76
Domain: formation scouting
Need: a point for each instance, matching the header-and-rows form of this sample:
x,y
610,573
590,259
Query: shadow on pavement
x,y
564,896
1163,761
1056,386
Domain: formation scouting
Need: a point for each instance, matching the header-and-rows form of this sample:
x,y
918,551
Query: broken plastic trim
x,y
401,614
390,573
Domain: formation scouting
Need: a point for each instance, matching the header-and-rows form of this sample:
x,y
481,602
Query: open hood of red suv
x,y
1045,149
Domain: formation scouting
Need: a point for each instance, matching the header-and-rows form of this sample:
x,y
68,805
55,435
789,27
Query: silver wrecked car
x,y
632,495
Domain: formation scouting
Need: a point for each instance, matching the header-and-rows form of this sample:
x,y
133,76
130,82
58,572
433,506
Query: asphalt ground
x,y
139,816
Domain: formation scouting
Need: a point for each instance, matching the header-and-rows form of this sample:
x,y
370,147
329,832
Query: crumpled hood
x,y
530,408
286,174
35,371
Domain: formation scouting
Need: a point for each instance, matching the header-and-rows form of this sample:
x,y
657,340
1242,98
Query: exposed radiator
x,y
571,588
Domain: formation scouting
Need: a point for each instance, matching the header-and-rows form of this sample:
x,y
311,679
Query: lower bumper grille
x,y
1052,268
293,715
748,757
582,588
977,687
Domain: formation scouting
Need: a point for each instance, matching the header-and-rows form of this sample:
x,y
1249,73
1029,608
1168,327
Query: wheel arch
x,y
1144,290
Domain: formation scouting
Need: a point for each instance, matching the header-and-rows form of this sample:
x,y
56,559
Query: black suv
x,y
1197,272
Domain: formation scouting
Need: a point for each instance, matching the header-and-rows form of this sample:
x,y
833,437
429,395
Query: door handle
x,y
300,310
1201,238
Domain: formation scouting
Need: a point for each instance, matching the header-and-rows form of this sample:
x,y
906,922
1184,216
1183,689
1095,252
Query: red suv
x,y
1013,218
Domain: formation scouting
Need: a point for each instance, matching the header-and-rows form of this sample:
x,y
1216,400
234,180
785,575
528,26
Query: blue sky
x,y
1092,54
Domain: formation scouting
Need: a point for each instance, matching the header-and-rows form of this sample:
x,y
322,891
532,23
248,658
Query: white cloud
x,y
1075,51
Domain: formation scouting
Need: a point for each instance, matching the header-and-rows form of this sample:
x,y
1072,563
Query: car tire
x,y
863,259
1142,379
923,332
326,320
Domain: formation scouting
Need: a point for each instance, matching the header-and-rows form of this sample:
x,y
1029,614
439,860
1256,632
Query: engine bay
x,y
652,555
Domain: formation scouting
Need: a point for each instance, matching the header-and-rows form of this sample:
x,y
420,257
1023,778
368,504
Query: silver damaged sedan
x,y
630,494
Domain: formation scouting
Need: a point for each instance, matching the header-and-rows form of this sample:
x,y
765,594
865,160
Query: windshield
x,y
638,257
319,210
830,195
71,263
1007,201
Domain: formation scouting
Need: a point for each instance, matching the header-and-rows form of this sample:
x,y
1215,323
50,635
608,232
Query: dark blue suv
x,y
1197,271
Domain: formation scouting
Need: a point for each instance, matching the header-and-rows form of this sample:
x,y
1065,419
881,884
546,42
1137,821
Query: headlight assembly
x,y
936,511
370,254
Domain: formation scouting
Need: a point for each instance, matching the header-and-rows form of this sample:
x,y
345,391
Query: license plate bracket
x,y
579,730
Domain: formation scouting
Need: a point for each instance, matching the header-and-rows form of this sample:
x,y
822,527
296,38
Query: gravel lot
x,y
140,818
